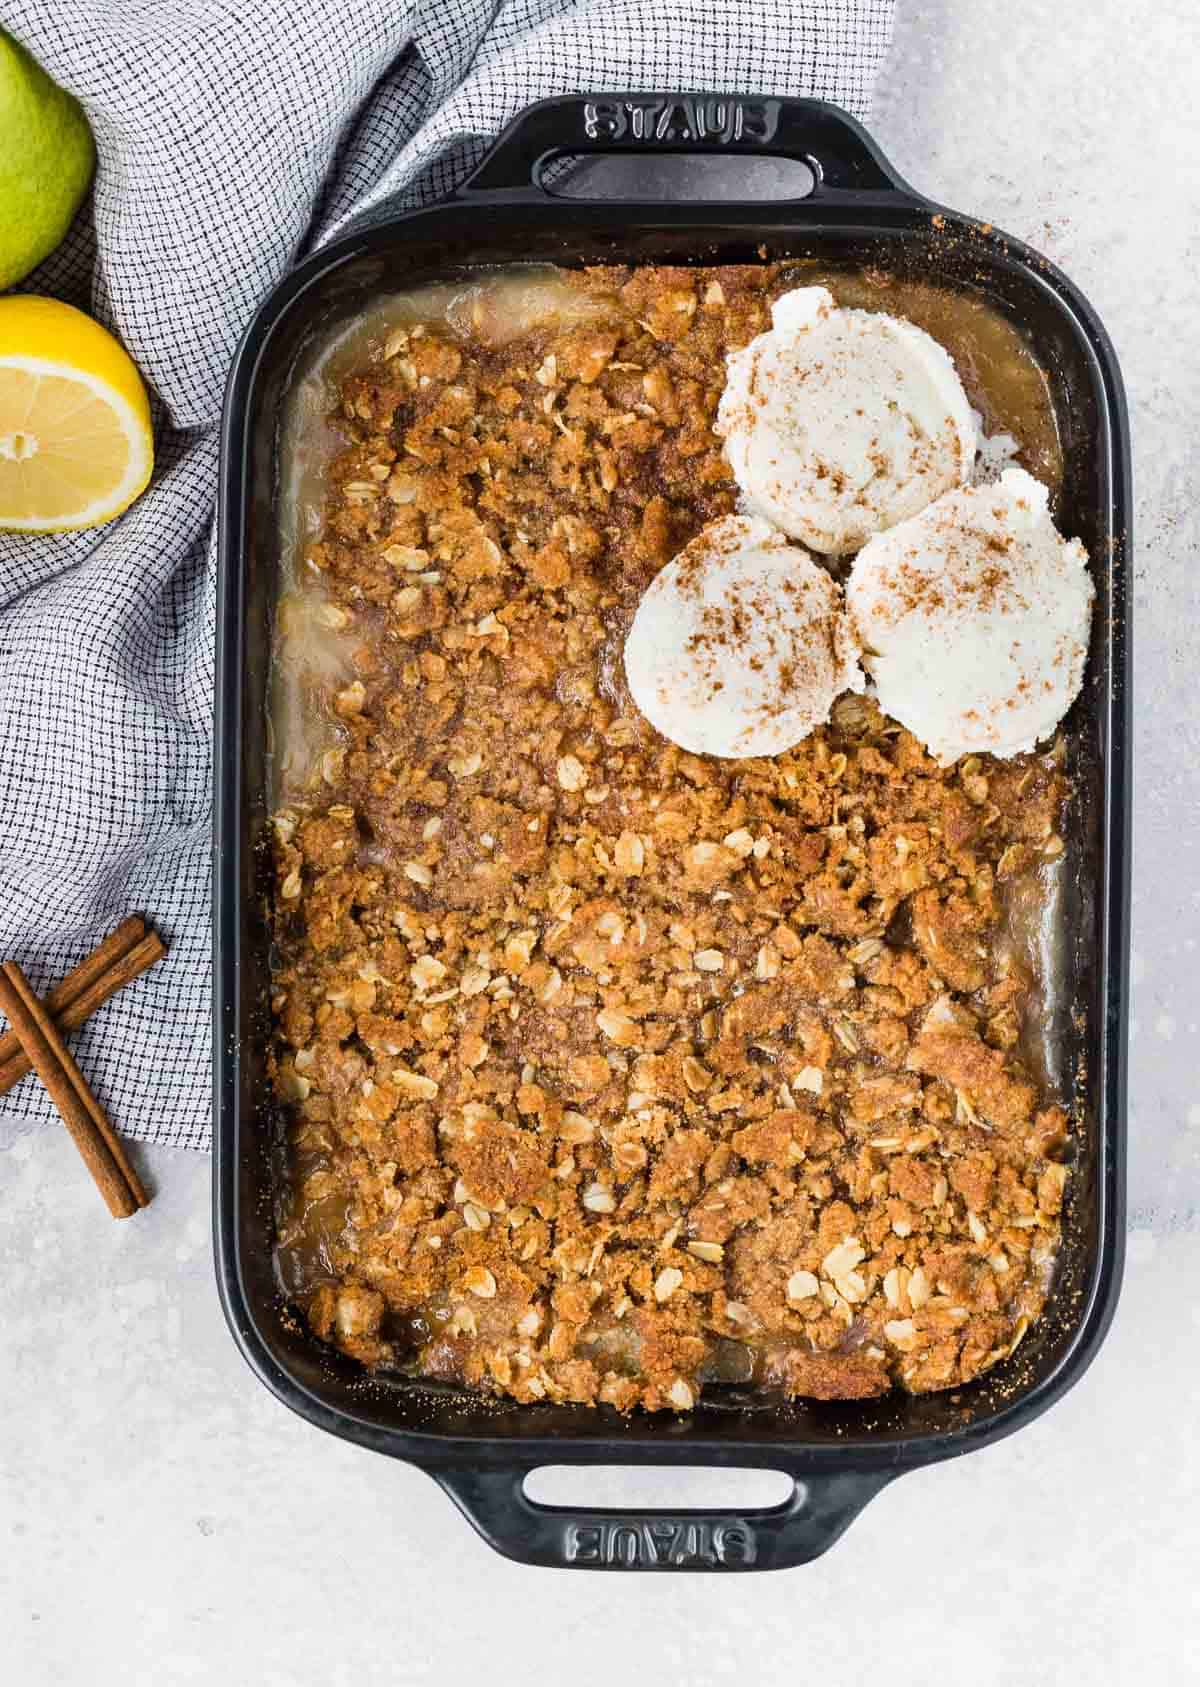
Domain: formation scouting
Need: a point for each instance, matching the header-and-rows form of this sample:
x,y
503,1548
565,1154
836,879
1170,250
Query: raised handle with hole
x,y
768,1538
846,163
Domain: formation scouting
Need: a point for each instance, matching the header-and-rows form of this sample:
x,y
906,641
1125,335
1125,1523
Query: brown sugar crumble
x,y
610,1071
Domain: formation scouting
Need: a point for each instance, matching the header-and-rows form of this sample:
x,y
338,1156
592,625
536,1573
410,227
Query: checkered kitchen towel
x,y
231,137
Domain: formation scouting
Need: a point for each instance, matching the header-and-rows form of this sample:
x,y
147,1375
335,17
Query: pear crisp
x,y
612,1073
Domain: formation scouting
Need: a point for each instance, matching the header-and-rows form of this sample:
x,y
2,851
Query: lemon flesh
x,y
76,446
47,156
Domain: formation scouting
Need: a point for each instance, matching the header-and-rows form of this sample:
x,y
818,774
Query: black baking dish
x,y
859,213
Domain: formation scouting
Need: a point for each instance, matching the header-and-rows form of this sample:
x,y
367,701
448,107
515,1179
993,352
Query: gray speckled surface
x,y
166,1522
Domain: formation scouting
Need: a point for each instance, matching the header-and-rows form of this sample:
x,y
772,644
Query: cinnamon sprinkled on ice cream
x,y
740,644
840,423
975,617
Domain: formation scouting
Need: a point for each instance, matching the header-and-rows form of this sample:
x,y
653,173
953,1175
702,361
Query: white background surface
x,y
165,1522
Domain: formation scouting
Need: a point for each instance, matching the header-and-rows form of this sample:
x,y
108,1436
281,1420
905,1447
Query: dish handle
x,y
846,164
777,1537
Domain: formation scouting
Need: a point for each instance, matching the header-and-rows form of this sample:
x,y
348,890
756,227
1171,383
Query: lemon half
x,y
76,446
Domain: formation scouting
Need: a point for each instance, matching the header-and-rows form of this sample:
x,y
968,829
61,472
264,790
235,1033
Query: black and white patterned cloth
x,y
231,138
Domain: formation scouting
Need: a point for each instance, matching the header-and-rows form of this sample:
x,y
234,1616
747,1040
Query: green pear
x,y
47,156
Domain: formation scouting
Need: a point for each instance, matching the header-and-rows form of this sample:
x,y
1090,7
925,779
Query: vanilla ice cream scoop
x,y
974,617
740,644
840,423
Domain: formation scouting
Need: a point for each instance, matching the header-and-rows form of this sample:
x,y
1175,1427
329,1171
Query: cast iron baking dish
x,y
859,213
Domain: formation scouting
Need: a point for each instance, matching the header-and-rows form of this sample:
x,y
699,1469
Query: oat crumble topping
x,y
612,1070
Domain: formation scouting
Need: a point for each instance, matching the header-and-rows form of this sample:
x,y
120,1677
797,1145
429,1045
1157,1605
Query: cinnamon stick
x,y
114,947
81,1112
96,991
37,1011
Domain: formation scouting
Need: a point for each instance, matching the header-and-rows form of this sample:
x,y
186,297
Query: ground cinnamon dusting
x,y
612,1071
